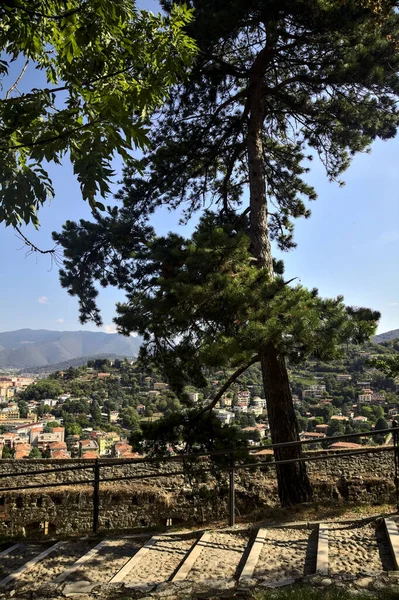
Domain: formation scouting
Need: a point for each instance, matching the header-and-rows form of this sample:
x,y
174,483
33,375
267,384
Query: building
x,y
224,415
314,391
88,446
113,416
241,408
321,428
360,419
105,441
44,440
10,413
160,385
249,430
60,454
123,450
103,375
193,397
227,401
343,377
256,410
312,436
365,398
345,446
90,454
22,451
339,418
256,401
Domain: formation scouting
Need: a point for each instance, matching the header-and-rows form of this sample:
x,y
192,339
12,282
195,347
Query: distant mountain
x,y
382,337
74,362
40,348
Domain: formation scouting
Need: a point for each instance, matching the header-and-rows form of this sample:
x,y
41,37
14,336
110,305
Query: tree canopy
x,y
276,83
102,68
201,302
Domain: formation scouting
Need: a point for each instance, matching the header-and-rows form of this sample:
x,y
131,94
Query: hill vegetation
x,y
29,348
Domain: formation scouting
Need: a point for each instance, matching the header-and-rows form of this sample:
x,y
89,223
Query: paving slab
x,y
393,538
76,565
253,555
9,550
123,572
192,556
322,550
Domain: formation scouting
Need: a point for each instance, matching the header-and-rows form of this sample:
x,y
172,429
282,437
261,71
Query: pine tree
x,y
276,82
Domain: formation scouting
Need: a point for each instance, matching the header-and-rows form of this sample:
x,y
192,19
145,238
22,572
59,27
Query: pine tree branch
x,y
226,385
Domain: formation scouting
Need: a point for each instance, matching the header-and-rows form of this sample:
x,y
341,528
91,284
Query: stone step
x,y
360,549
28,565
158,561
273,556
220,556
18,555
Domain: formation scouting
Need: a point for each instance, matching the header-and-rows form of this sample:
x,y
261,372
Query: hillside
x,y
27,348
387,336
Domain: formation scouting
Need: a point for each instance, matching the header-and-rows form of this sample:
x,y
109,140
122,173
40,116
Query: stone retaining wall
x,y
149,502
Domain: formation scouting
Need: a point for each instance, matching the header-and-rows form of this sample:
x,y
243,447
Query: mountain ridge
x,y
28,348
393,334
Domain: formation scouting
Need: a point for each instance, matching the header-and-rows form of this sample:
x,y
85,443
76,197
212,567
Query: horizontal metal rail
x,y
142,476
108,463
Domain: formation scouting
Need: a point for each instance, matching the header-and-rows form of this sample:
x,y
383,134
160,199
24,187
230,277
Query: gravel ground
x,y
20,556
353,549
220,557
107,561
54,564
162,559
283,554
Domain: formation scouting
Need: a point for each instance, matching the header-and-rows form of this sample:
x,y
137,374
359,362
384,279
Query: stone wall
x,y
149,502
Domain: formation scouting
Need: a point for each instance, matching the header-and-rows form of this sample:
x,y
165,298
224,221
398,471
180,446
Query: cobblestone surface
x,y
162,559
220,557
283,554
353,549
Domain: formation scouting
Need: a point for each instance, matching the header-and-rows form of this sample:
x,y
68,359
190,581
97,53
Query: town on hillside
x,y
99,409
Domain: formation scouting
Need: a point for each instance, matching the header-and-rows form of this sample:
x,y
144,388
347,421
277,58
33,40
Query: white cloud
x,y
393,303
42,300
389,237
60,320
110,328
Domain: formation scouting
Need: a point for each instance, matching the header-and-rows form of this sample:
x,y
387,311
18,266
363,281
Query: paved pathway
x,y
218,559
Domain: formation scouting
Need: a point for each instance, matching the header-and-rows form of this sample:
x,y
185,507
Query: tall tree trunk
x,y
293,483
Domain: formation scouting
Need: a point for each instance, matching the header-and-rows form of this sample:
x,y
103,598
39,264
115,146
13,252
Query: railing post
x,y
96,495
232,503
395,436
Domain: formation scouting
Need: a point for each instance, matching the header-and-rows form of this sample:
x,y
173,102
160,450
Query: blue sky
x,y
349,246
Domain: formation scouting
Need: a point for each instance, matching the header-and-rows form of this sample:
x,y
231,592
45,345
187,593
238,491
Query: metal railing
x,y
231,468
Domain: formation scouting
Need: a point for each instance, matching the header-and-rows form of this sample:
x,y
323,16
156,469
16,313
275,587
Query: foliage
x,y
7,453
41,390
304,592
35,453
50,426
388,365
200,302
381,424
190,432
103,68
